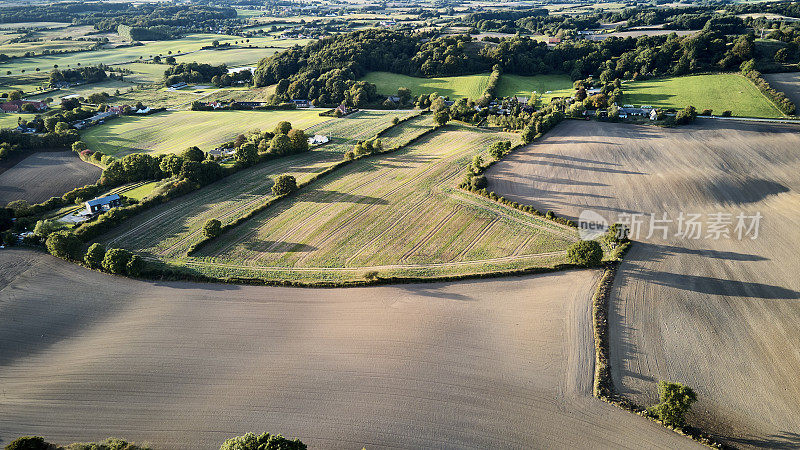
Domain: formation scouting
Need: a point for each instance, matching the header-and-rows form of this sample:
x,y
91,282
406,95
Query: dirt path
x,y
718,315
504,363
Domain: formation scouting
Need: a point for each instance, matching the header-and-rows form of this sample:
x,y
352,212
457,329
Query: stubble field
x,y
719,315
400,212
484,364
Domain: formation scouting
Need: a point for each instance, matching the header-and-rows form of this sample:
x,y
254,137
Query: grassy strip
x,y
205,240
550,215
400,121
776,97
603,382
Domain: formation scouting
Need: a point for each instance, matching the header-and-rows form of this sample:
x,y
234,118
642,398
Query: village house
x,y
15,106
101,204
301,103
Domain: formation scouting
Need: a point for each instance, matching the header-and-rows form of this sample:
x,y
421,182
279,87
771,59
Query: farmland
x,y
398,214
43,175
717,314
168,230
718,92
510,85
471,86
473,363
174,131
788,83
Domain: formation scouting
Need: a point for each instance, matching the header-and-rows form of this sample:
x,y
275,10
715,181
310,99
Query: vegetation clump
x,y
284,185
676,401
585,253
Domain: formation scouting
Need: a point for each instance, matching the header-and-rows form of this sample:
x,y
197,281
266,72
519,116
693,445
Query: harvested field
x,y
45,174
395,213
788,83
719,315
168,230
479,364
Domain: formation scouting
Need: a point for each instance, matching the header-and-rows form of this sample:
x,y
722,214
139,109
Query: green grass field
x,y
121,55
10,120
236,57
174,131
110,87
558,85
471,86
719,92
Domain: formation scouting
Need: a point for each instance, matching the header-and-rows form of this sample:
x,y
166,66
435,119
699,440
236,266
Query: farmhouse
x,y
222,152
302,103
98,205
16,106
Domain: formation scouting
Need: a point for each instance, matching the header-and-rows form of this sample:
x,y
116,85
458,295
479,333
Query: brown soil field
x,y
719,315
45,174
788,82
502,363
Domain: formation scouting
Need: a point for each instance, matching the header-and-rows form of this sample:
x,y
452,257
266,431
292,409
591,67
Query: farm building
x,y
15,106
302,103
221,152
98,205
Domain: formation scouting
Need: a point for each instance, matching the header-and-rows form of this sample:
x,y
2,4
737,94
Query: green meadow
x,y
471,86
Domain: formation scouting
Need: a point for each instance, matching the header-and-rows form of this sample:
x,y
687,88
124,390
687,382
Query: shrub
x,y
395,120
283,127
264,442
284,184
43,228
63,244
585,253
28,443
94,256
727,113
135,266
116,260
212,228
441,116
706,112
676,400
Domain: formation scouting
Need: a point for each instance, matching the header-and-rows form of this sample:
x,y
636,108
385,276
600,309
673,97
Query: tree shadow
x,y
716,286
278,247
325,196
783,439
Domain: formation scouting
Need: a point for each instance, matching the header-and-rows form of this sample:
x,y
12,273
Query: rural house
x,y
299,103
99,205
15,106
318,139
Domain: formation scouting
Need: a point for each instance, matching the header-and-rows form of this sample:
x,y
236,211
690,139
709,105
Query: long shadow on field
x,y
583,167
278,247
716,286
657,252
785,439
325,196
433,292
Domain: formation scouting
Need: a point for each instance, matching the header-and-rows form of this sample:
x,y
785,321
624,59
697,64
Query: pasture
x,y
174,131
511,85
717,314
45,174
471,86
110,87
481,364
167,231
719,92
398,214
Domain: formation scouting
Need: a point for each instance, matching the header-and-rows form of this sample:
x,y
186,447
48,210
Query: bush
x,y
116,260
284,184
706,112
727,113
585,253
676,400
63,244
212,228
28,443
135,266
264,442
193,154
94,256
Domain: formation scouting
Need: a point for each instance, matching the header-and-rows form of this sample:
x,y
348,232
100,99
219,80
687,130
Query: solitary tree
x,y
284,184
283,127
676,401
441,116
212,228
585,253
193,154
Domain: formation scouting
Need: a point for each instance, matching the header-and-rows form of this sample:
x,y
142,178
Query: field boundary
x,y
603,383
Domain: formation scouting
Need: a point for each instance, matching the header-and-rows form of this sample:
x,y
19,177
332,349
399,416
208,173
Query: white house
x,y
318,139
